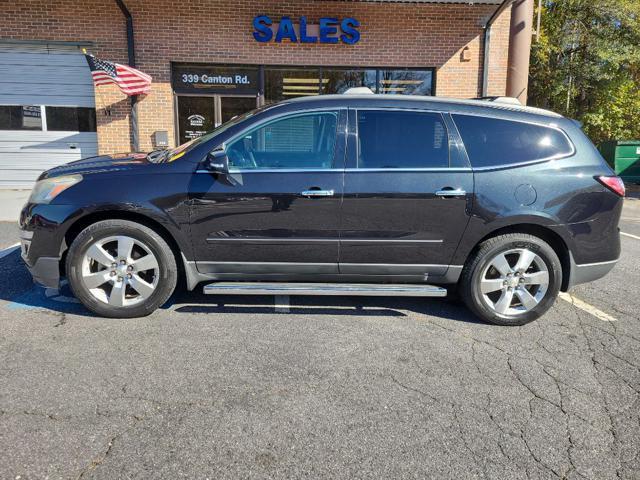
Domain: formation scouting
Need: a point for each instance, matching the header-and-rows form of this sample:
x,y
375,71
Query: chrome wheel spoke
x,y
148,262
94,280
527,300
100,255
501,264
536,278
503,304
125,245
491,285
116,299
525,260
145,289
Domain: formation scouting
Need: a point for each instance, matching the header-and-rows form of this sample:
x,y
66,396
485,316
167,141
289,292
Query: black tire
x,y
469,285
166,263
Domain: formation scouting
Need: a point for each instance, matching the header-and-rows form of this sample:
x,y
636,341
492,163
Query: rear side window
x,y
402,139
493,142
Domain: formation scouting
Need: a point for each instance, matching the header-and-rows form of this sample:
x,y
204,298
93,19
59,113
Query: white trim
x,y
597,263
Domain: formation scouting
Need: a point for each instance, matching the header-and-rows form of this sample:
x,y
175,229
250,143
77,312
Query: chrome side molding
x,y
337,289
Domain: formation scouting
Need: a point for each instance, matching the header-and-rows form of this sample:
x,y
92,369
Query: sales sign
x,y
328,30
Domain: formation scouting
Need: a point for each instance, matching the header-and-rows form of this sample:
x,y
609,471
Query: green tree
x,y
586,65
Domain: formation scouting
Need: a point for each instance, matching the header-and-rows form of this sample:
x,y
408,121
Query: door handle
x,y
451,192
317,193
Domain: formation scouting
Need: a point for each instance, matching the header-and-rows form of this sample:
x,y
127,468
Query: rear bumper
x,y
588,272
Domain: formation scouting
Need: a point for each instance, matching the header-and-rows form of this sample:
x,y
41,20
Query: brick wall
x,y
219,31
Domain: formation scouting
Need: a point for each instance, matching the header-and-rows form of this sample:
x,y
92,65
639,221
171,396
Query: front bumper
x,y
42,230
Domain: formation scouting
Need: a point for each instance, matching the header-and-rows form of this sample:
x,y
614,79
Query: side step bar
x,y
346,289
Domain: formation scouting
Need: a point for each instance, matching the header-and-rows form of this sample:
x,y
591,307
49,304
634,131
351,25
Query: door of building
x,y
198,115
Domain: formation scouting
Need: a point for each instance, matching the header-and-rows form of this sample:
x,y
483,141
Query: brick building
x,y
207,64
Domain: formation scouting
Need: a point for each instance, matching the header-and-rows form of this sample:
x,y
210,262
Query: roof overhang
x,y
466,2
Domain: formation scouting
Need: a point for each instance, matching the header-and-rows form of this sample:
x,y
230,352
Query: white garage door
x,y
47,111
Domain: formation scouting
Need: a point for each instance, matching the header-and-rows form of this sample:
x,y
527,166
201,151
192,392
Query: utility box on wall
x,y
160,139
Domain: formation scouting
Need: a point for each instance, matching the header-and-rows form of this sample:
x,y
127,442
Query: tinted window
x,y
395,139
298,142
71,119
19,117
493,142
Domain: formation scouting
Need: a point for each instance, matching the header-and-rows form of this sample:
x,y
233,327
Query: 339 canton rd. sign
x,y
214,79
329,30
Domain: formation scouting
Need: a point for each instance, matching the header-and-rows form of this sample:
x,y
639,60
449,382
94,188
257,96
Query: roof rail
x,y
497,99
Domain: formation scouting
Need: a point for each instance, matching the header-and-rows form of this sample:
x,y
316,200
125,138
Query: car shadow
x,y
17,288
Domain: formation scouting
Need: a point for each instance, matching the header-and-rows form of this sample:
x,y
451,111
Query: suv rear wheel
x,y
121,269
512,279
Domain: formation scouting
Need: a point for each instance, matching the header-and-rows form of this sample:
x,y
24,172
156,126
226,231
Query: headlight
x,y
46,190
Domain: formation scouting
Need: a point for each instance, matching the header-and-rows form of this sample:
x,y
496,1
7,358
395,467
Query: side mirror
x,y
217,161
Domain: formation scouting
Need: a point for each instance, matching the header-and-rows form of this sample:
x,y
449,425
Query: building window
x,y
406,82
71,119
340,80
20,117
281,83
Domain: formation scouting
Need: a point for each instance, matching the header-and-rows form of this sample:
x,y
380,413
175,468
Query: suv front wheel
x,y
121,269
511,279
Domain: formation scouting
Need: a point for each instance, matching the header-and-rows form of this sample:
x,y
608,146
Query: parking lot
x,y
321,387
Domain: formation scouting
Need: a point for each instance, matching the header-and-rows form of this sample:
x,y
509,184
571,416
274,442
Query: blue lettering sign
x,y
304,38
331,30
262,28
350,33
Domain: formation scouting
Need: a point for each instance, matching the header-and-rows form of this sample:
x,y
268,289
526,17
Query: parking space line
x,y
576,302
9,250
630,236
282,303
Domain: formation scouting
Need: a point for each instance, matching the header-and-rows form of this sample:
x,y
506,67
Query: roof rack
x,y
358,91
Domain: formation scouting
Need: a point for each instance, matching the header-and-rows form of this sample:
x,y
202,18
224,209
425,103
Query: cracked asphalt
x,y
228,387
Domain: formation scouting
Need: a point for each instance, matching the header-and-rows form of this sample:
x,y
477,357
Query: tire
x,y
517,299
110,288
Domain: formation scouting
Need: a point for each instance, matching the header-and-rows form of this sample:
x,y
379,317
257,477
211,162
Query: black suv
x,y
338,195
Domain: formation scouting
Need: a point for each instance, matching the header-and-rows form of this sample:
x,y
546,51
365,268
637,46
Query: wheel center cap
x,y
122,270
513,282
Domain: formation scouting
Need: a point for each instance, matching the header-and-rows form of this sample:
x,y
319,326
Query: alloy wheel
x,y
514,282
120,271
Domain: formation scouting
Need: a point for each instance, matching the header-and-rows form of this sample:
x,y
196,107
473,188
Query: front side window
x,y
402,139
492,142
303,141
20,117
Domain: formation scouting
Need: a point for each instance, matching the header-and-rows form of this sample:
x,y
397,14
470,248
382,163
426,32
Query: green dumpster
x,y
624,158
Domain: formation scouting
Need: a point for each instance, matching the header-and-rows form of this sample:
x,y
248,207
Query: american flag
x,y
129,80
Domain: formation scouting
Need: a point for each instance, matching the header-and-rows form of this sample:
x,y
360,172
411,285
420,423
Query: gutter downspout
x,y
487,43
132,63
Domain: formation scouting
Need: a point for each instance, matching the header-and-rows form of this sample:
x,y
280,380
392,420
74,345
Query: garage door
x,y
47,111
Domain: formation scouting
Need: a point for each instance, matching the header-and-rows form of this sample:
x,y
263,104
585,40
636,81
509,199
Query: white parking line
x,y
630,236
282,303
9,250
576,302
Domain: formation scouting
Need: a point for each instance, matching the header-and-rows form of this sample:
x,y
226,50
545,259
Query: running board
x,y
346,289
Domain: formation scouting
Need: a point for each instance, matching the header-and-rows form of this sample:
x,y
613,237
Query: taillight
x,y
615,184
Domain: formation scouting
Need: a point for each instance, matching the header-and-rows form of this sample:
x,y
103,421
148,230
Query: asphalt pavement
x,y
320,387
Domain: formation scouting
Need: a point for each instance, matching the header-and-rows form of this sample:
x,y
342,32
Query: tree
x,y
586,65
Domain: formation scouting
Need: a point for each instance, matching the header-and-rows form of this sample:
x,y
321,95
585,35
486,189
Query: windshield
x,y
171,154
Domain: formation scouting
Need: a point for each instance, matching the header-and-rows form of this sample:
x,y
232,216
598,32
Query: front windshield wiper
x,y
158,156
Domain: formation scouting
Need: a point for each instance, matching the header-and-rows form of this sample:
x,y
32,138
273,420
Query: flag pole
x,y
133,119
